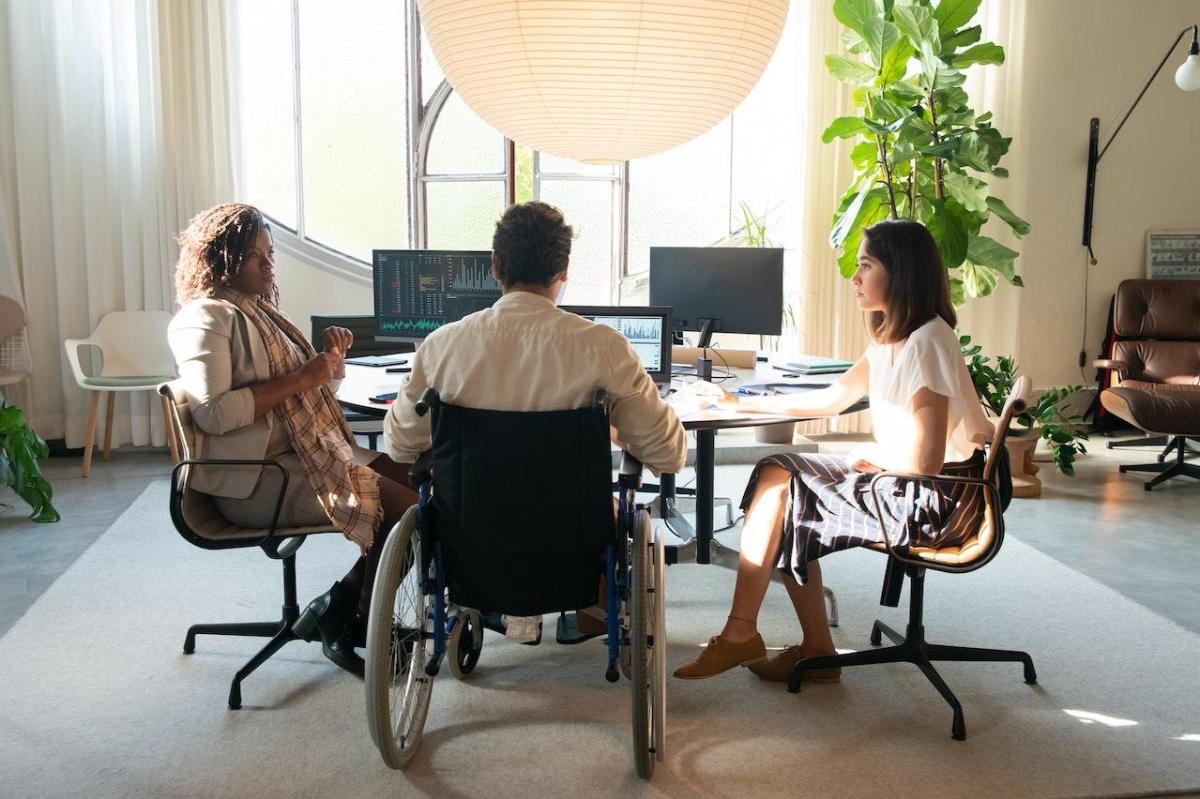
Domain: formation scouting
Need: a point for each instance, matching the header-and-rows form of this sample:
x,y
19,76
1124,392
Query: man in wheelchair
x,y
525,354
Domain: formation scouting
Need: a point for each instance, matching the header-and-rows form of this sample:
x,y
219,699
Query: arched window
x,y
348,136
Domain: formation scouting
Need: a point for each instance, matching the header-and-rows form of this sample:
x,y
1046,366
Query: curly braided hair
x,y
213,248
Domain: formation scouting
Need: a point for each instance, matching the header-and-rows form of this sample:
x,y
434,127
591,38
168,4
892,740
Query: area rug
x,y
97,700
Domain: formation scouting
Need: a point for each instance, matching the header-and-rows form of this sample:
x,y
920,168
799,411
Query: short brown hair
x,y
531,244
213,248
917,289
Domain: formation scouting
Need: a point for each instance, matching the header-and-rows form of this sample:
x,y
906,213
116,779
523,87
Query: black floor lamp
x,y
1187,77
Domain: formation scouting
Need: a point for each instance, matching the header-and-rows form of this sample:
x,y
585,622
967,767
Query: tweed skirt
x,y
830,508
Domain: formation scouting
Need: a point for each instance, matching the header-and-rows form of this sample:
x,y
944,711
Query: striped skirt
x,y
830,508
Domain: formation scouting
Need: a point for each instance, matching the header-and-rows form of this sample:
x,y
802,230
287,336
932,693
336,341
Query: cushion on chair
x,y
1168,409
1160,361
977,546
127,382
205,520
1158,309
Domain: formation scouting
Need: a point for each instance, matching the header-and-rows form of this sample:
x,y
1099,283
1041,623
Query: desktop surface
x,y
418,291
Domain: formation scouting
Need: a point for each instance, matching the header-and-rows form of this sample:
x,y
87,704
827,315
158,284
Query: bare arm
x,y
840,395
930,413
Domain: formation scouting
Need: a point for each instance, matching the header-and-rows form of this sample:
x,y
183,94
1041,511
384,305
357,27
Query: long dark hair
x,y
918,288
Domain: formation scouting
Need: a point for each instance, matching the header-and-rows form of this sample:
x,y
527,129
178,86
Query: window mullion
x,y
296,114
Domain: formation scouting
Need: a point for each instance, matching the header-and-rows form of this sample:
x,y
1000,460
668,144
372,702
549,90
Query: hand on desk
x,y
702,394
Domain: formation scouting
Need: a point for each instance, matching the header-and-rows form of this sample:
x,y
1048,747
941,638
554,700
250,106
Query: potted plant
x,y
20,449
922,152
1047,419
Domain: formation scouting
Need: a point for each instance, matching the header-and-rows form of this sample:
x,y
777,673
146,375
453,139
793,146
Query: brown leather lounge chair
x,y
1157,363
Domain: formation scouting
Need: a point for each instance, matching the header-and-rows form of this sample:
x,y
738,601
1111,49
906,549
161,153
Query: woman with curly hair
x,y
258,390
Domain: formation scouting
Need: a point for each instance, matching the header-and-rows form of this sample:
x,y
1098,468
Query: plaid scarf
x,y
316,428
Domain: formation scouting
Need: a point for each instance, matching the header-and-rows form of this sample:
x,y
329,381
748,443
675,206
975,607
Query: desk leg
x,y
706,441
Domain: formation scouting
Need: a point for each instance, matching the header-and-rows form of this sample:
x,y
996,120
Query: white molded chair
x,y
14,345
135,356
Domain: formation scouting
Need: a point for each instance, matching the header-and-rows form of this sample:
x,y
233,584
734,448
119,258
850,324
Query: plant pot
x,y
1021,444
780,433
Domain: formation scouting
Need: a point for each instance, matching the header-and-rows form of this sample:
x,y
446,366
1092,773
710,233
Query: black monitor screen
x,y
741,288
418,291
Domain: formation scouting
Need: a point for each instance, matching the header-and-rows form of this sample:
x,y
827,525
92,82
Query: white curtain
x,y
113,133
828,321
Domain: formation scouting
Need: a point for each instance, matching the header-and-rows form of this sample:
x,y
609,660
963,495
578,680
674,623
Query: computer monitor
x,y
418,291
647,329
720,289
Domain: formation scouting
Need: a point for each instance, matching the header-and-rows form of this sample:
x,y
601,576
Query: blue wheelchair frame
x,y
616,560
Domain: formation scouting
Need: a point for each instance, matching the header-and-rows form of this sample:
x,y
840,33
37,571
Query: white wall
x,y
1085,58
305,290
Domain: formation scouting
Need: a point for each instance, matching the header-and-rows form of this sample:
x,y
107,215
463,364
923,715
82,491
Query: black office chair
x,y
971,554
197,519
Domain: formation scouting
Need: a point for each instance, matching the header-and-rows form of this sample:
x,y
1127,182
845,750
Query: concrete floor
x,y
1100,523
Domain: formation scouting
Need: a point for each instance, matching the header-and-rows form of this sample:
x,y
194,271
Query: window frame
x,y
422,118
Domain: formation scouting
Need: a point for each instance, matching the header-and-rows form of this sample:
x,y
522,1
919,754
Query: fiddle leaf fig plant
x,y
1064,432
20,449
921,151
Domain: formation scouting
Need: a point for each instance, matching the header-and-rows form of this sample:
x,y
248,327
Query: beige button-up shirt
x,y
525,354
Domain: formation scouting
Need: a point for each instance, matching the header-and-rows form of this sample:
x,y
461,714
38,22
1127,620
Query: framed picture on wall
x,y
1173,254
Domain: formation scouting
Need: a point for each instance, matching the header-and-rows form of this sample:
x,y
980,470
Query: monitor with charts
x,y
648,330
418,291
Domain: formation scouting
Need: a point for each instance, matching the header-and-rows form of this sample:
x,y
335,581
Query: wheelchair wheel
x,y
647,644
398,640
462,650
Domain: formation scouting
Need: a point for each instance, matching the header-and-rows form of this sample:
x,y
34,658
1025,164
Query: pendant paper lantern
x,y
603,81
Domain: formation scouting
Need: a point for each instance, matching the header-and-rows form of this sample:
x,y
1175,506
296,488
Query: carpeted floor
x,y
96,699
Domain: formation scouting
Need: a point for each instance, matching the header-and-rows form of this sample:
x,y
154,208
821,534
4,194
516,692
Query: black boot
x,y
328,616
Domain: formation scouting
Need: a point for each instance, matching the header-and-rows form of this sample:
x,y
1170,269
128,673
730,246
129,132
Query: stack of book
x,y
812,365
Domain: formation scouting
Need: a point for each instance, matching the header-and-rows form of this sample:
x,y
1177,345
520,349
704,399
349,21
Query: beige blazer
x,y
220,353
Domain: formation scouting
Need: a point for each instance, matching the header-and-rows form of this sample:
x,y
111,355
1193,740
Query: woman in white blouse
x,y
927,420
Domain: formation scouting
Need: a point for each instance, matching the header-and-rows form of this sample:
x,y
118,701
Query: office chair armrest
x,y
1120,367
72,346
177,490
876,489
629,473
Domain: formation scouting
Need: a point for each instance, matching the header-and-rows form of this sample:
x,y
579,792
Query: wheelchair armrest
x,y
896,551
429,399
422,469
177,490
629,474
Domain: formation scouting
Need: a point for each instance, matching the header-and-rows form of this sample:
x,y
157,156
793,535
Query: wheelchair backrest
x,y
522,506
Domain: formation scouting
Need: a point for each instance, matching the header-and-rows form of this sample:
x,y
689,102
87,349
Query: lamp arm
x,y
1193,29
1095,153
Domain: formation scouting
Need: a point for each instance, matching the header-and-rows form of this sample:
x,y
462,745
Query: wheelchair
x,y
481,539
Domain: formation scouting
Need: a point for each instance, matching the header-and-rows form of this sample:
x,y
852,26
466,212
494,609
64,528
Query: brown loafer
x,y
721,655
778,668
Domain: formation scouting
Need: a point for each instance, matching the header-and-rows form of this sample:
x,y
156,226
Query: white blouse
x,y
929,358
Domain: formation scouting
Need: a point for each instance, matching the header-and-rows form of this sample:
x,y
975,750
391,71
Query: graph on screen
x,y
418,291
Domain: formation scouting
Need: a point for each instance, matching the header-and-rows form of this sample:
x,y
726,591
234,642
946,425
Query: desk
x,y
363,382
